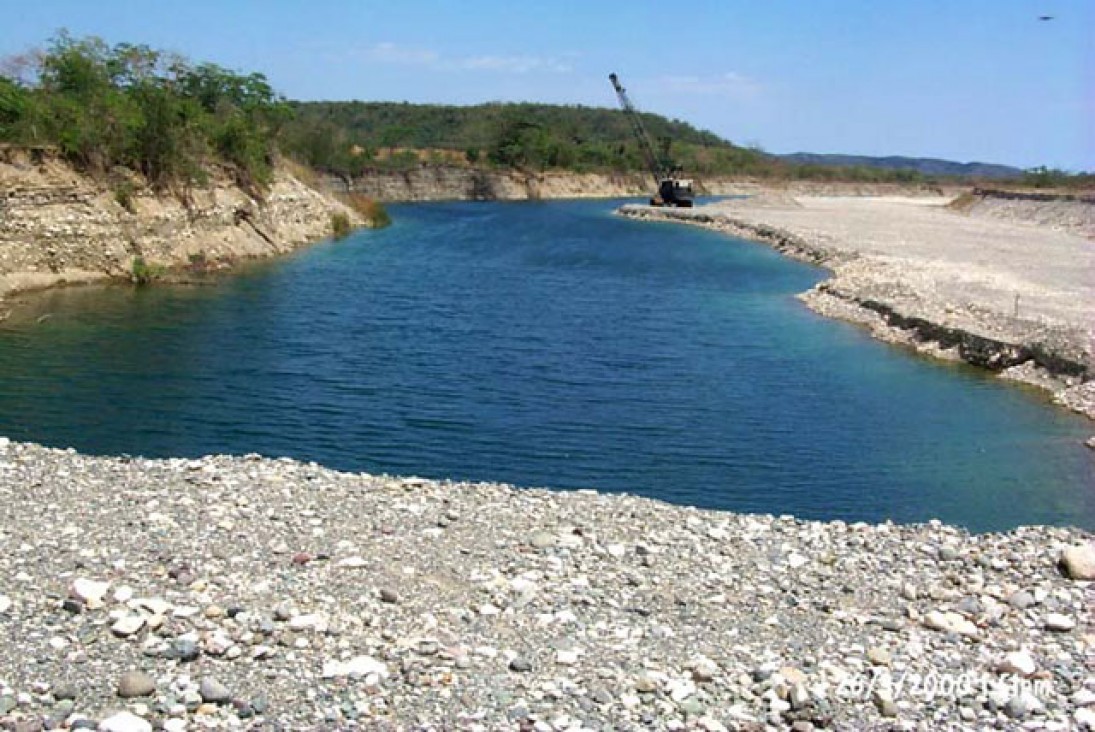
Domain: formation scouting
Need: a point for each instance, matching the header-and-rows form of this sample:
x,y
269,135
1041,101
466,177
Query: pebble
x,y
389,596
213,691
1059,623
885,703
566,658
542,540
520,665
125,722
705,671
127,625
89,592
1021,599
359,666
949,622
1019,663
135,684
878,656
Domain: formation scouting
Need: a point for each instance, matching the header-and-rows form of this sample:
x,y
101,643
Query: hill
x,y
352,137
925,166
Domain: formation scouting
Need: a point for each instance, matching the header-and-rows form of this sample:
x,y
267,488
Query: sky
x,y
966,80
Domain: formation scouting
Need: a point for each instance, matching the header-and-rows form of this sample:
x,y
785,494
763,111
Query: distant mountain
x,y
926,166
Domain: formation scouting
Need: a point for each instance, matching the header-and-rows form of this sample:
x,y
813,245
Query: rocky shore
x,y
249,593
971,283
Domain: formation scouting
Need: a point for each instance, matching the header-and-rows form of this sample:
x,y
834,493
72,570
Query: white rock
x,y
795,561
125,722
1078,561
616,550
1019,663
566,658
174,725
1085,718
5,603
90,592
123,594
127,625
311,621
352,563
710,725
357,666
949,623
1059,623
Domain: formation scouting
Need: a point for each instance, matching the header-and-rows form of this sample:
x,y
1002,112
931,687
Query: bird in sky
x,y
1045,17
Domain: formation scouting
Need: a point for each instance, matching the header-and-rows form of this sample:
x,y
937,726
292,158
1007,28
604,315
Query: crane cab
x,y
674,192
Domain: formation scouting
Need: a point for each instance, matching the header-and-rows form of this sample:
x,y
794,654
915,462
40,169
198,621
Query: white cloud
x,y
515,64
729,84
392,53
400,55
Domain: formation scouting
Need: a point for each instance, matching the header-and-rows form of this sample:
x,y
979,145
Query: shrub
x,y
123,195
142,273
340,225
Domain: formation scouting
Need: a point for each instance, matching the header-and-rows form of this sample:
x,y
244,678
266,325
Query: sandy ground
x,y
962,260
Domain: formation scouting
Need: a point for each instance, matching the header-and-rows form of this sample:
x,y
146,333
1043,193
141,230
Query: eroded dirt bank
x,y
1013,296
60,227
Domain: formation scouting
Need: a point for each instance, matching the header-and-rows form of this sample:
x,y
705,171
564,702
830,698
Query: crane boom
x,y
671,190
652,163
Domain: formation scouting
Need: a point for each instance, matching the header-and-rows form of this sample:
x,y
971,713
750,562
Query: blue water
x,y
546,345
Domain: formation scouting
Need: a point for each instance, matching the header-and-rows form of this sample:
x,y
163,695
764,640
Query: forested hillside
x,y
351,137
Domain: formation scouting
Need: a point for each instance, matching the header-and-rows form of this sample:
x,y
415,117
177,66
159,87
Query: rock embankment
x,y
1016,298
60,227
239,592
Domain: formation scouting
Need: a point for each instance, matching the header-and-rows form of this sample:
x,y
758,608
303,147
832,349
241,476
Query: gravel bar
x,y
255,593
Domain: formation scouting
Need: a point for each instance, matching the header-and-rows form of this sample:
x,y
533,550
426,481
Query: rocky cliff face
x,y
462,183
58,226
448,183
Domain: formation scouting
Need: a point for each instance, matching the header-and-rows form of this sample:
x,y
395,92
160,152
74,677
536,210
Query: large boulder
x,y
1078,562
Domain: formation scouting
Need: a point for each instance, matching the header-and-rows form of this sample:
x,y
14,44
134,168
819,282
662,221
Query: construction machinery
x,y
672,189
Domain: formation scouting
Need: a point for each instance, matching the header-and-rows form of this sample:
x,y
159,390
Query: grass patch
x,y
374,213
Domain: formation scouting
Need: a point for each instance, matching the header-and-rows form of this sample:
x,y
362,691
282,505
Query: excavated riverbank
x,y
1013,297
60,227
249,593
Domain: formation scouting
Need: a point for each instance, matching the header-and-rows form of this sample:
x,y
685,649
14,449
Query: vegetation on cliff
x,y
125,106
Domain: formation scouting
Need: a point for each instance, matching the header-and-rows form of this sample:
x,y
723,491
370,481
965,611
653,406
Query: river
x,y
546,344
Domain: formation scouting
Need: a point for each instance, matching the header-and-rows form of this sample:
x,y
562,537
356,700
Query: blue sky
x,y
960,79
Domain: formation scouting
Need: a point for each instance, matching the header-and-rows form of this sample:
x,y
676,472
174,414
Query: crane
x,y
671,189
